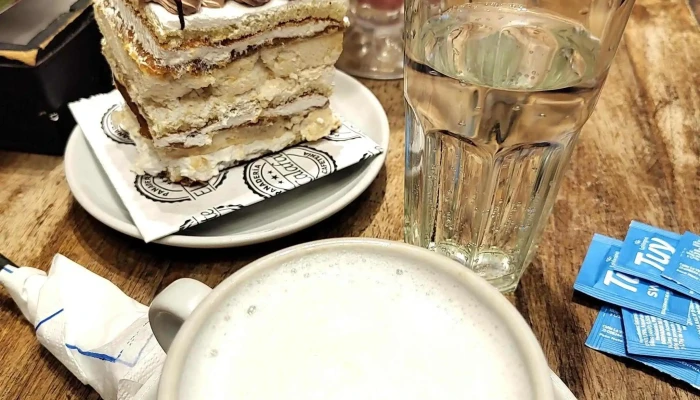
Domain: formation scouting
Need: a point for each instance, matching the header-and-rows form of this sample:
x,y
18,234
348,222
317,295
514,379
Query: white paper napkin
x,y
160,208
100,334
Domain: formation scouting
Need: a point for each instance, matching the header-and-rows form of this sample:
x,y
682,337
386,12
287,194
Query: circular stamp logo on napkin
x,y
163,191
278,173
344,133
114,131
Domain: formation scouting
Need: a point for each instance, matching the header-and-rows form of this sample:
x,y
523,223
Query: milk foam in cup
x,y
608,336
387,321
651,336
598,278
684,267
403,338
647,253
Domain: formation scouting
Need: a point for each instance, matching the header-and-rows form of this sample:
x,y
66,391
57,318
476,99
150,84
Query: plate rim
x,y
238,240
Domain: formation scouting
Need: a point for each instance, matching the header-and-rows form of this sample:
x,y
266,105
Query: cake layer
x,y
276,63
230,147
201,54
267,83
241,116
316,123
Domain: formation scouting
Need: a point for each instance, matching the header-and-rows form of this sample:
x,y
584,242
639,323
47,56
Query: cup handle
x,y
172,306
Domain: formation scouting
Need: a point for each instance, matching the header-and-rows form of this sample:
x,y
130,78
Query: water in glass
x,y
496,95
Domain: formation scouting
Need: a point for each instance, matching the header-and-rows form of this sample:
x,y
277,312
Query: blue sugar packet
x,y
647,335
598,279
608,337
684,267
646,253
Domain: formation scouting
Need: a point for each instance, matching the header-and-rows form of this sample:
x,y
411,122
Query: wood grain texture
x,y
638,158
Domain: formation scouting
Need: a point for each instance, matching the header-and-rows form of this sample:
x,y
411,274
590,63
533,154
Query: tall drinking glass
x,y
496,94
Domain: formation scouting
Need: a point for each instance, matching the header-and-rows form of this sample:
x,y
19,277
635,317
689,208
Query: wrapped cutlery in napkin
x,y
160,208
100,334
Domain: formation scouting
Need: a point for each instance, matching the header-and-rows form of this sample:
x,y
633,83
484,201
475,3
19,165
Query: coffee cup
x,y
346,319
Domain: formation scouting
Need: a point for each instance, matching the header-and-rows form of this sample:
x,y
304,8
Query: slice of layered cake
x,y
212,83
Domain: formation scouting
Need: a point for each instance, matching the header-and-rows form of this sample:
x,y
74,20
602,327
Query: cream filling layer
x,y
123,17
240,116
203,167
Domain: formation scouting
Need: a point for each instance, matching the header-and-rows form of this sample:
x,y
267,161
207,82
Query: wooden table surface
x,y
638,158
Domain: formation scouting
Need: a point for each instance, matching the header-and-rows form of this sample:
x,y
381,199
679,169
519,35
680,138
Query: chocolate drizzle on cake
x,y
180,14
180,7
253,3
213,3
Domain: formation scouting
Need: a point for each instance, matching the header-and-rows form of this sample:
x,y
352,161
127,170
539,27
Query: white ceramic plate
x,y
267,220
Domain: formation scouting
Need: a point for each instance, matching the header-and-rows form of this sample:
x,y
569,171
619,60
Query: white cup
x,y
179,313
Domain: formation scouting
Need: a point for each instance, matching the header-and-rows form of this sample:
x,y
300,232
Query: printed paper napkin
x,y
160,208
